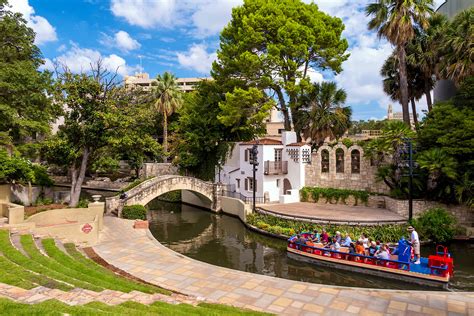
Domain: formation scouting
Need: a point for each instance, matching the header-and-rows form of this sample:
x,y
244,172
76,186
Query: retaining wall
x,y
235,207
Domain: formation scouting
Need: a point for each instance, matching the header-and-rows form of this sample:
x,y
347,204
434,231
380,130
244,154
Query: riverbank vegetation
x,y
286,227
134,212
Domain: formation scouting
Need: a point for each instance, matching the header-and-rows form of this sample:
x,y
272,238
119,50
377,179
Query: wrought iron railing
x,y
243,198
275,167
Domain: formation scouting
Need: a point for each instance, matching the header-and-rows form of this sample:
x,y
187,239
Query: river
x,y
223,240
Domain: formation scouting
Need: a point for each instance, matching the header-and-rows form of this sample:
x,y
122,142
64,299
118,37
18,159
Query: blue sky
x,y
182,36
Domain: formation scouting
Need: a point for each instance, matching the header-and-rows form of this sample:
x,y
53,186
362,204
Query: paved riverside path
x,y
136,252
334,212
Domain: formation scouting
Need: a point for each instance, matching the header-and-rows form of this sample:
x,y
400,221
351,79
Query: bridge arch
x,y
148,190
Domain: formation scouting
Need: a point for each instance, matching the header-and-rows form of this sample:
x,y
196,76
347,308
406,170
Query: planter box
x,y
140,224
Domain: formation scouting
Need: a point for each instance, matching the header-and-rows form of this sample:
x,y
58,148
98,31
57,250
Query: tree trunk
x,y
30,193
403,84
413,109
428,96
284,109
165,137
78,178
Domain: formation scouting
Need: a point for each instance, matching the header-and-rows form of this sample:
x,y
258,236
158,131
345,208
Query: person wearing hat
x,y
415,243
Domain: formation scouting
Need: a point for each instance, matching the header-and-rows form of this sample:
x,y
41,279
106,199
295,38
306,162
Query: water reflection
x,y
224,241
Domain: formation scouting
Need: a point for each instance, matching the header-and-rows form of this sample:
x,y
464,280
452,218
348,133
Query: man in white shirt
x,y
415,243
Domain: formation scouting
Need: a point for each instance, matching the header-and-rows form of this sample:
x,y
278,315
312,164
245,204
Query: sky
x,y
182,36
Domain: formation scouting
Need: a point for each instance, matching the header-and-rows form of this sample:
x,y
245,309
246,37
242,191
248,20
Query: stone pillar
x,y
98,208
216,197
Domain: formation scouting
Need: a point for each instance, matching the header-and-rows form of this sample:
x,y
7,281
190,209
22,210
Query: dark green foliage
x,y
83,203
436,224
384,233
135,183
17,169
358,126
173,196
134,212
333,195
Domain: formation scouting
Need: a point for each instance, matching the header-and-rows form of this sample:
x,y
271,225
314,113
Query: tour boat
x,y
436,270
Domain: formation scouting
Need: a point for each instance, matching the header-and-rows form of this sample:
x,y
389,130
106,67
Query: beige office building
x,y
143,80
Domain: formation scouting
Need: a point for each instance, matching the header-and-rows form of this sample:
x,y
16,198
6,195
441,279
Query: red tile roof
x,y
263,141
297,144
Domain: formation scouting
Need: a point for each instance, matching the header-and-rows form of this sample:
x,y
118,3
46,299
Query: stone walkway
x,y
136,252
334,212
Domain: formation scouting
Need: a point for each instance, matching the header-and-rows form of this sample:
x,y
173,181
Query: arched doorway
x,y
286,185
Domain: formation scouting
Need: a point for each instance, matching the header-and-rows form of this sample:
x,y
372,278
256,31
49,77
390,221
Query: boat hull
x,y
403,275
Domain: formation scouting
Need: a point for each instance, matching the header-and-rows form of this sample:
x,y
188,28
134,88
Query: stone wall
x,y
152,169
464,214
235,207
363,179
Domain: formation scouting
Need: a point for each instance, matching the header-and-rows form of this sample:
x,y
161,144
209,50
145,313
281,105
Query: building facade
x,y
143,80
280,172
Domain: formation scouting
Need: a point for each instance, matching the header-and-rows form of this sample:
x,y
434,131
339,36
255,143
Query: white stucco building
x,y
280,171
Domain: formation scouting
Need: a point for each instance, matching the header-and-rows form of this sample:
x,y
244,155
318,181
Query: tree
x,y
271,45
26,111
322,113
396,20
458,48
415,78
208,126
88,121
440,167
168,99
424,52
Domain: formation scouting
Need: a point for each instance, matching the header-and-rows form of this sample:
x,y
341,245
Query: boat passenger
x,y
347,241
315,236
415,243
383,253
352,248
301,240
360,247
372,249
335,246
338,237
324,236
365,240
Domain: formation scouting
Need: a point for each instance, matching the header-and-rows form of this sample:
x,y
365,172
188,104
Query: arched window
x,y
355,161
339,160
324,160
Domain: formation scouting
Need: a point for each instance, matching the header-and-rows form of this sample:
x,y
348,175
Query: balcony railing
x,y
275,167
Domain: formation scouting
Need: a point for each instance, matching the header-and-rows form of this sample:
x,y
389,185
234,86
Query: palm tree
x,y
440,167
424,52
415,78
458,48
396,20
322,112
168,98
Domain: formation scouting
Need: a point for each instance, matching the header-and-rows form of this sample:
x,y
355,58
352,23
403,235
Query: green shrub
x,y
436,224
134,212
347,142
83,203
43,201
333,195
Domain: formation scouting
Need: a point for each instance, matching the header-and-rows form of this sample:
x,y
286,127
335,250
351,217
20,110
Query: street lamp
x,y
409,146
254,162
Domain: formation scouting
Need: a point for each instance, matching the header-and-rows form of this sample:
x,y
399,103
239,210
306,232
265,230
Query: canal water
x,y
224,241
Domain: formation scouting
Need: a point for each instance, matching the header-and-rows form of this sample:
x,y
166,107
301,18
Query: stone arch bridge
x,y
150,189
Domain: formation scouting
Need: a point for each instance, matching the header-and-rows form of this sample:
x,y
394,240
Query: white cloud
x,y
147,14
121,40
79,59
197,58
211,16
45,32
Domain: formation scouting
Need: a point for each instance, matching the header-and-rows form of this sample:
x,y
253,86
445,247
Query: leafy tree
x,y
397,20
358,126
168,100
322,112
458,48
26,111
441,171
271,45
88,122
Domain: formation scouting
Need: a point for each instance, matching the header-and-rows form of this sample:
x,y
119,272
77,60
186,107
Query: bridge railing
x,y
243,198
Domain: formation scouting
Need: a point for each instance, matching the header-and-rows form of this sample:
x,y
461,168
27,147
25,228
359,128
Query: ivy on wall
x,y
332,195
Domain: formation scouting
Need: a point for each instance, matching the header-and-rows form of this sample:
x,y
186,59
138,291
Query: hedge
x,y
333,195
134,212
